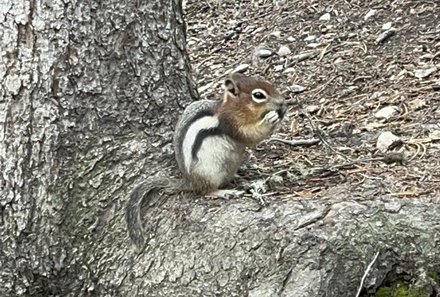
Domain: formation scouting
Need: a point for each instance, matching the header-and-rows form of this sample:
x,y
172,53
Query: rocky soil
x,y
362,79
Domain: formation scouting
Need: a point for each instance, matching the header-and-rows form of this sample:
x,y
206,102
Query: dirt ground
x,y
344,63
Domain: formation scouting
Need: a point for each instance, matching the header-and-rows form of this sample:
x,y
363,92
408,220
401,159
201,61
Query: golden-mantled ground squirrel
x,y
210,140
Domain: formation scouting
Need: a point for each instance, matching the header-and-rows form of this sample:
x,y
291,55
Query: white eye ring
x,y
259,95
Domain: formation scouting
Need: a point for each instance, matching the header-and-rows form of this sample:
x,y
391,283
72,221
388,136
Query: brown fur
x,y
240,118
242,115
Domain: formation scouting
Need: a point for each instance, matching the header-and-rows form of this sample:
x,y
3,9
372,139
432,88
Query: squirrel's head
x,y
253,105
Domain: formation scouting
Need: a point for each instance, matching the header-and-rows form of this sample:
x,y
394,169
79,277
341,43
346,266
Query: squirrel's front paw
x,y
272,117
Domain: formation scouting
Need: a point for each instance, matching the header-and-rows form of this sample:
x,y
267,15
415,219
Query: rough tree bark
x,y
90,92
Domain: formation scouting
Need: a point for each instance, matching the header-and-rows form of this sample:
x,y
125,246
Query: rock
x,y
386,140
435,135
384,36
416,104
264,53
386,112
283,51
425,72
229,34
427,56
313,108
241,68
369,14
297,89
325,17
278,68
291,39
276,34
430,127
289,70
387,26
313,45
310,38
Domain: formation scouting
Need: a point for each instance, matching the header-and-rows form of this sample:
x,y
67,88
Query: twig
x,y
322,87
323,52
305,142
318,132
332,168
388,159
352,162
366,273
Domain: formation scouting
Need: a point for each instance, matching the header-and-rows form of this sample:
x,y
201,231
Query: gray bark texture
x,y
90,92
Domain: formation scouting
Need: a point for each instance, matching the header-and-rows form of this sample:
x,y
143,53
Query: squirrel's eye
x,y
259,96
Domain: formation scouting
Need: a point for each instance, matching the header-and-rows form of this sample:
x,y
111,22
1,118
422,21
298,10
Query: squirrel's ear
x,y
231,87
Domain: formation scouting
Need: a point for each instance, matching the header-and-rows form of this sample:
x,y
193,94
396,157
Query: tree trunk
x,y
90,94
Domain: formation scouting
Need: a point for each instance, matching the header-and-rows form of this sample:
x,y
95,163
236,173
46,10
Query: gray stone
x,y
369,14
325,17
387,112
297,88
386,140
425,72
284,51
264,53
241,68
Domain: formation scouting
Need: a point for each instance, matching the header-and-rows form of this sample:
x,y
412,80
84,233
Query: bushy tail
x,y
142,192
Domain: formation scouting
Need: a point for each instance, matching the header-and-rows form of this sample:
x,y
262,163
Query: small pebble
x,y
430,127
384,36
416,104
325,17
369,14
276,34
310,38
428,56
313,45
435,135
297,89
284,51
289,70
278,68
312,108
387,26
264,53
386,140
425,72
241,68
387,112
